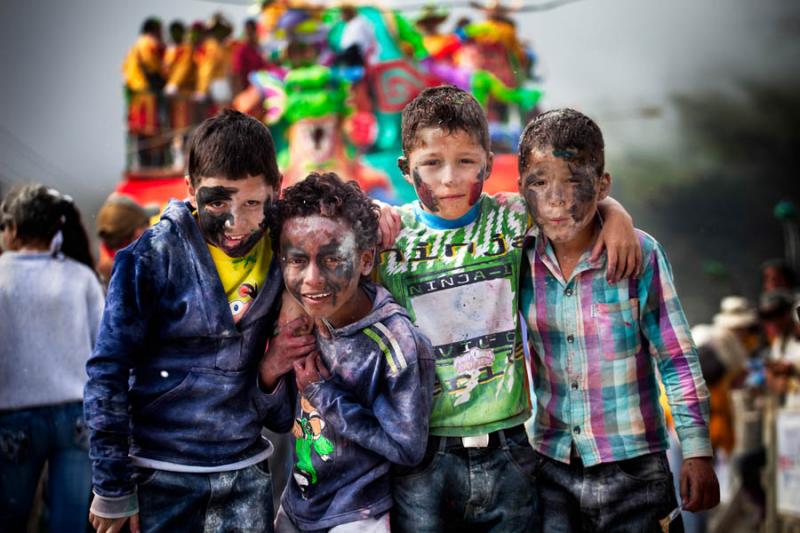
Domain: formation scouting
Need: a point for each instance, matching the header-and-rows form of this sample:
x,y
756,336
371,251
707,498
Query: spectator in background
x,y
50,304
246,58
777,274
776,309
120,221
144,81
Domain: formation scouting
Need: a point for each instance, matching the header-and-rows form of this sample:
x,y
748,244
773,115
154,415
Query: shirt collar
x,y
437,222
544,249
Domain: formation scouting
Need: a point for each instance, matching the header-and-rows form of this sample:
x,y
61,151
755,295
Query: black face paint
x,y
584,192
424,192
477,187
213,225
335,269
530,196
567,154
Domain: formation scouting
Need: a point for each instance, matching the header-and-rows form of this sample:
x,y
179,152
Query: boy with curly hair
x,y
365,394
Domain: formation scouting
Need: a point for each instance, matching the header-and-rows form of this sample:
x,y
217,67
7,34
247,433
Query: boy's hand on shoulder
x,y
113,525
699,485
389,225
284,349
310,370
622,247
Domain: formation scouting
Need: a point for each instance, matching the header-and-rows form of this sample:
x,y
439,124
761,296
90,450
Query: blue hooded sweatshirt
x,y
171,371
372,412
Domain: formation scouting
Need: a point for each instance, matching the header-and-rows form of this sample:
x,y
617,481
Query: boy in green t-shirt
x,y
455,267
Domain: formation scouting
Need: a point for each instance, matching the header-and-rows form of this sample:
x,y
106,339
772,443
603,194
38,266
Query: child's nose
x,y
314,276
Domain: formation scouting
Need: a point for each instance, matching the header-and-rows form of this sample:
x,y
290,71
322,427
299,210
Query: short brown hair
x,y
233,146
446,107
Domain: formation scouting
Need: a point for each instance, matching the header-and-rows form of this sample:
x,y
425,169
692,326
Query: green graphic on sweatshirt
x,y
309,439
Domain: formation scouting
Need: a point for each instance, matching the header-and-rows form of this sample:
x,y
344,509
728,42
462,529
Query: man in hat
x,y
119,222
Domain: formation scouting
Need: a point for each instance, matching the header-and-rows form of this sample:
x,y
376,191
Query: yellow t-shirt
x,y
243,277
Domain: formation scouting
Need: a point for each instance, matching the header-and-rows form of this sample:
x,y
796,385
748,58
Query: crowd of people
x,y
355,67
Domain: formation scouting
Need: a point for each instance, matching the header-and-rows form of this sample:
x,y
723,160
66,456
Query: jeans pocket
x,y
144,476
15,437
428,462
262,469
520,454
80,434
650,467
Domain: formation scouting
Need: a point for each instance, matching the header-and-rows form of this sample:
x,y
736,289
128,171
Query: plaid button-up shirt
x,y
598,349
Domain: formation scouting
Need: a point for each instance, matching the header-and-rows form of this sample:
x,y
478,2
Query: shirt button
x,y
574,385
576,429
568,292
570,339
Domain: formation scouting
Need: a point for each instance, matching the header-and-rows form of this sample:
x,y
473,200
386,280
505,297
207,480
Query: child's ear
x,y
489,163
605,186
190,189
366,261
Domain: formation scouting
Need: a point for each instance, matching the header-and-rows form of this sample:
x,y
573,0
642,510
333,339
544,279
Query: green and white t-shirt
x,y
459,281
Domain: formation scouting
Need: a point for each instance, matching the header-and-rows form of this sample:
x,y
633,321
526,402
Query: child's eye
x,y
216,204
252,203
294,261
333,262
430,162
467,161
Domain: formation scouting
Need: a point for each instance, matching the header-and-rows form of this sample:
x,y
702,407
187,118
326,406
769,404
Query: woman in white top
x,y
50,308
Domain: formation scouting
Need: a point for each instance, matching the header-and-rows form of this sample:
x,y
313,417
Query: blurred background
x,y
698,102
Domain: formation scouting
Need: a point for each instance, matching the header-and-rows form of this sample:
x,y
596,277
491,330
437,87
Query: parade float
x,y
330,81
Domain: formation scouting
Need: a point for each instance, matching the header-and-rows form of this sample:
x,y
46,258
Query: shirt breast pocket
x,y
618,328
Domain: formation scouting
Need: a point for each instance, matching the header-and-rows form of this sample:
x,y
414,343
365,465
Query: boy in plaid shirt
x,y
599,432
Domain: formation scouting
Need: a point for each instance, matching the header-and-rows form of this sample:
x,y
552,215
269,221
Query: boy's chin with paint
x,y
232,213
447,170
562,191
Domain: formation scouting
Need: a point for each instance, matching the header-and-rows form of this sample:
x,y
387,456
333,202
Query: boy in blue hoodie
x,y
179,387
365,395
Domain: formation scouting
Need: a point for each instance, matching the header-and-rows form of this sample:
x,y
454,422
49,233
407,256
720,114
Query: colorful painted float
x,y
331,83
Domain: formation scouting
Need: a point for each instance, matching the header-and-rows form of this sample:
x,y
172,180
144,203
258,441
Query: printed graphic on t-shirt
x,y
309,442
242,277
480,331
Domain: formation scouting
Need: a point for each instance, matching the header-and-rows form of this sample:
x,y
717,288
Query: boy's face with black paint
x,y
447,169
562,191
322,266
232,214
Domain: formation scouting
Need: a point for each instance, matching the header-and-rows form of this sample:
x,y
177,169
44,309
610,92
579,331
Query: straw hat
x,y
735,312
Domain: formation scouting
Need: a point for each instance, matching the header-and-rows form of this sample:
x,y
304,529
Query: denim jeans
x,y
239,500
29,437
630,495
490,489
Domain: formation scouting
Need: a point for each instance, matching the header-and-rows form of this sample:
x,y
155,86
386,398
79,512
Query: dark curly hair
x,y
446,107
37,212
327,195
563,129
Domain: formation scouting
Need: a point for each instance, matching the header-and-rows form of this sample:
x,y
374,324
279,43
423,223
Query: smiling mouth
x,y
234,239
452,197
318,297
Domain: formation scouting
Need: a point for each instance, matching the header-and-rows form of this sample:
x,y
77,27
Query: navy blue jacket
x,y
372,412
171,370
